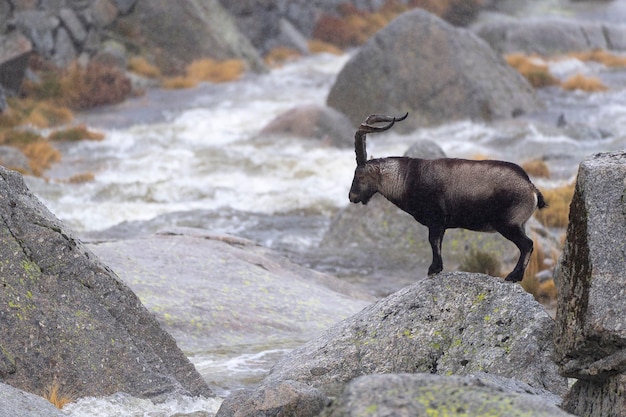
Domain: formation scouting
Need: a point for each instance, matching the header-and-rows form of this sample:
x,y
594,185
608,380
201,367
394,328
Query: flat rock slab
x,y
219,292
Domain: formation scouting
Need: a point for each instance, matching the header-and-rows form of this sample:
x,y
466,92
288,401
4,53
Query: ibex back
x,y
446,193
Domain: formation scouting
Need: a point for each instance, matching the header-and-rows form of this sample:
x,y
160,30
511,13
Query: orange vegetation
x,y
581,82
280,55
352,27
534,68
207,70
557,212
54,395
601,56
74,134
536,168
141,66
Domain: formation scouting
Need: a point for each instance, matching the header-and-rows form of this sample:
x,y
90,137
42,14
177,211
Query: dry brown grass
x,y
544,292
74,134
280,55
208,70
53,395
533,68
581,82
557,212
140,65
317,46
601,56
536,168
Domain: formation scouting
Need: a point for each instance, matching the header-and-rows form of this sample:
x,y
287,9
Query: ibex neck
x,y
392,178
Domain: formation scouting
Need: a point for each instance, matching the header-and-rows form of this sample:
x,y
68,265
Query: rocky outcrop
x,y
591,325
14,51
436,72
550,36
176,33
449,324
68,318
237,294
481,395
316,122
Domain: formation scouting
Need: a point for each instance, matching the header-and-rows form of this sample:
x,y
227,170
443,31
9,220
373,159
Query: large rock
x,y
14,52
312,121
449,324
66,317
14,402
178,32
436,72
217,292
591,282
550,36
386,395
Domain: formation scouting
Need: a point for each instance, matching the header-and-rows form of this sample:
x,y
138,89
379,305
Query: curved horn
x,y
366,127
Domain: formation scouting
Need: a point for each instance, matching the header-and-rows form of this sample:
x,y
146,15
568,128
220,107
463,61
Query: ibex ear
x,y
365,128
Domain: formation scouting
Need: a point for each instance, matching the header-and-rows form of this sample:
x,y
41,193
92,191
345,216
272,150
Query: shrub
x,y
41,156
545,291
481,261
317,46
141,66
278,56
533,68
580,82
179,82
94,85
601,56
536,168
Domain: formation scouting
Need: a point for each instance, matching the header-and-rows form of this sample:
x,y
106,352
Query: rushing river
x,y
194,158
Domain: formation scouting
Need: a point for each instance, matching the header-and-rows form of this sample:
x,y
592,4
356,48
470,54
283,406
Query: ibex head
x,y
366,177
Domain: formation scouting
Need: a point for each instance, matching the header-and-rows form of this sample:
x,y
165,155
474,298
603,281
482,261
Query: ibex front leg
x,y
435,237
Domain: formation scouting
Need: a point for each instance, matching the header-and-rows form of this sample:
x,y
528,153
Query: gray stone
x,y
15,49
5,13
312,121
64,50
438,73
591,282
75,27
38,26
452,323
550,36
426,394
426,149
124,6
208,27
102,13
68,318
286,398
591,278
14,402
449,324
13,158
238,294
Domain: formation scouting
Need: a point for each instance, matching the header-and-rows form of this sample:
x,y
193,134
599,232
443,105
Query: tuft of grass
x,y
41,155
53,395
81,178
533,68
536,168
544,292
601,56
557,212
206,70
280,55
140,65
481,261
581,82
74,134
317,46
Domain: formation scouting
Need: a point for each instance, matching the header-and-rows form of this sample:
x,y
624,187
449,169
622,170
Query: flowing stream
x,y
194,158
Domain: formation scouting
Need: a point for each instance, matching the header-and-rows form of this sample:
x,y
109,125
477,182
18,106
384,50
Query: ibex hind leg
x,y
517,235
435,237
